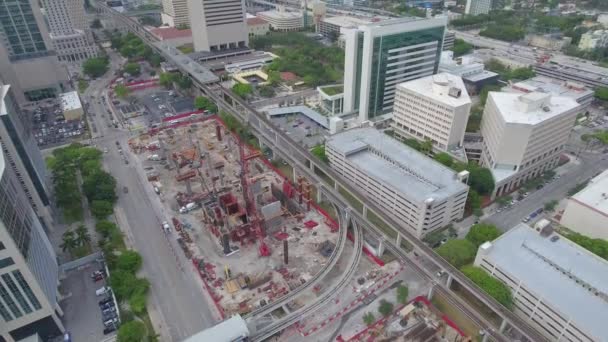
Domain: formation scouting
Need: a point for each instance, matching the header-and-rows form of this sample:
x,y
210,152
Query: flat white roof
x,y
280,15
532,108
437,88
70,101
346,21
407,170
229,330
595,194
552,86
538,262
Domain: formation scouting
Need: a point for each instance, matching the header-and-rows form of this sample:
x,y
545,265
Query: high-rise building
x,y
28,267
476,7
383,54
418,192
524,135
434,108
218,25
72,39
23,156
27,60
175,13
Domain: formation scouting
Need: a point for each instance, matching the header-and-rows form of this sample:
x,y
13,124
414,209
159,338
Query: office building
x,y
333,26
593,40
175,13
587,211
477,7
257,27
543,84
434,108
381,55
71,36
558,287
448,40
27,60
28,267
23,156
218,25
471,69
524,135
418,192
282,20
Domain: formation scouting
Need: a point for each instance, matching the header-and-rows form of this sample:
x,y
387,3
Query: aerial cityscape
x,y
303,170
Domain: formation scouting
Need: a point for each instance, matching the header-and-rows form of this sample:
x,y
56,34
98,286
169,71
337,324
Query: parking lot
x,y
302,129
150,106
82,314
50,127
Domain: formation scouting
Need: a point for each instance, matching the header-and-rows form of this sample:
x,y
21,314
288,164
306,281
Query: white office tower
x,y
558,287
380,55
477,7
218,25
27,60
434,108
421,194
71,36
524,135
28,267
175,13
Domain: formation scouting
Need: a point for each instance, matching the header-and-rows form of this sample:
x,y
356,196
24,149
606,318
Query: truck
x,y
154,157
166,227
188,207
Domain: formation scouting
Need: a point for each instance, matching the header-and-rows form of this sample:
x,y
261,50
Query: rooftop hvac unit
x,y
455,92
546,109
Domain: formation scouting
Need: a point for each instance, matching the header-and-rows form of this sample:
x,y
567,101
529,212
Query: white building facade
x,y
218,25
282,20
593,40
524,135
587,211
434,108
477,7
418,192
378,56
558,287
175,13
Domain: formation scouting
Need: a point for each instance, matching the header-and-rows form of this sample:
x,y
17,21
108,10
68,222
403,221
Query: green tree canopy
x,y
402,294
444,159
100,186
129,261
242,90
105,228
133,69
121,91
101,209
368,318
461,47
481,179
95,67
166,79
201,102
550,206
385,308
482,232
598,247
132,331
457,252
266,91
601,93
319,152
492,286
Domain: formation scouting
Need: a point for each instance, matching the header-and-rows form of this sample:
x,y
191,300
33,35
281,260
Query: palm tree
x,y
69,241
82,235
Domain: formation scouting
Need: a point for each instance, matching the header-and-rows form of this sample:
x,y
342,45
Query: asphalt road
x,y
590,165
178,302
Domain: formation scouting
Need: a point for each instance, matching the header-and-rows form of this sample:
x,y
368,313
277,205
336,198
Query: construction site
x,y
252,235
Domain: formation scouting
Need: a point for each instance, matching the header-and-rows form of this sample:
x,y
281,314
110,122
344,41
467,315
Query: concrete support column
x,y
319,195
364,211
295,176
398,242
335,185
485,338
449,281
431,292
380,248
503,325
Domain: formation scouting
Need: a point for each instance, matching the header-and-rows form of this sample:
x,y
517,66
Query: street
x,y
178,301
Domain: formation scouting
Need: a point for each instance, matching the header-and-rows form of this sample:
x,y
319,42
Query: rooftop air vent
x,y
455,92
546,109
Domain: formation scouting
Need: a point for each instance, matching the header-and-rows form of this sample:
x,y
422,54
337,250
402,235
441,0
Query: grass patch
x,y
476,304
333,90
82,85
355,203
186,48
463,322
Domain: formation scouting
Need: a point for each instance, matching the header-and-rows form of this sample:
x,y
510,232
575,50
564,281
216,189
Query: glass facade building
x,y
381,55
20,30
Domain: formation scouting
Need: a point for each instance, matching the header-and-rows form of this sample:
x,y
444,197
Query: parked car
x,y
110,322
107,305
106,301
102,291
109,330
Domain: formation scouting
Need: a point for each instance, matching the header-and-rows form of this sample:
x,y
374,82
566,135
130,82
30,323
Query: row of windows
x,y
9,309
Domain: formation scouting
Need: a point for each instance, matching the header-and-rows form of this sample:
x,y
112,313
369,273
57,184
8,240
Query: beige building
x,y
558,287
587,211
593,40
432,108
524,135
175,13
282,20
257,27
418,192
71,106
218,25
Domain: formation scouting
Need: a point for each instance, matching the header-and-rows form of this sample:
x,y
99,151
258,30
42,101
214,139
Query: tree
x,y
480,179
504,200
550,206
183,82
482,232
201,102
101,209
129,261
133,69
121,91
137,303
461,47
166,79
133,331
457,252
601,93
402,293
598,247
385,308
473,202
242,90
319,152
492,286
105,228
426,146
154,60
444,159
82,85
266,91
83,237
368,318
100,186
95,67
68,241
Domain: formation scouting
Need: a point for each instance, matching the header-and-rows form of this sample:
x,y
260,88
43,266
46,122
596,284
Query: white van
x,y
101,291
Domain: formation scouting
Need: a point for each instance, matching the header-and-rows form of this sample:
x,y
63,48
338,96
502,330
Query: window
x,y
6,262
16,293
26,288
4,313
9,301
